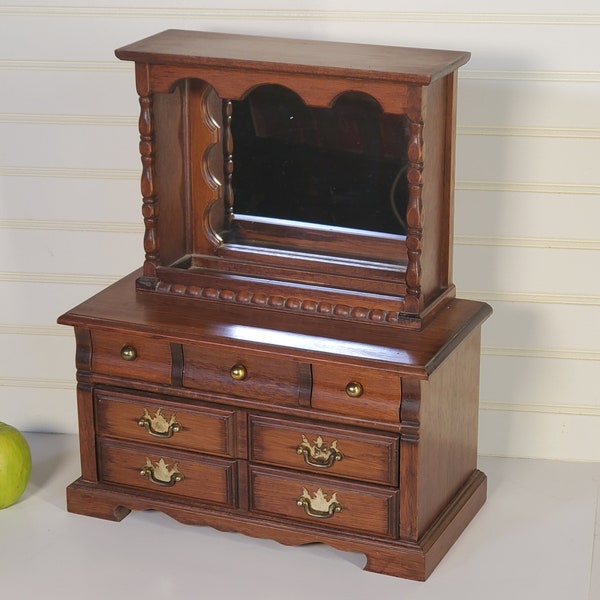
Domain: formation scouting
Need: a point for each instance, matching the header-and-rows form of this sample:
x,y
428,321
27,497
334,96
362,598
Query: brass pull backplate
x,y
161,474
157,425
317,505
318,454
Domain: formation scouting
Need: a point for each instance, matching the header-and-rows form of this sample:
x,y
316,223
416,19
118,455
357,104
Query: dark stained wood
x,y
285,381
203,478
423,381
187,81
327,59
448,419
391,557
379,400
267,378
446,254
434,214
85,409
370,510
439,437
152,362
200,428
119,308
371,457
170,171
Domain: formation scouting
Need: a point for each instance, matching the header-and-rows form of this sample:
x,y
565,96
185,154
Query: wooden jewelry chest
x,y
290,362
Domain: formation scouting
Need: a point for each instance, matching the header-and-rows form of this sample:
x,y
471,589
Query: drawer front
x,y
324,502
369,394
325,450
242,375
168,423
131,356
169,472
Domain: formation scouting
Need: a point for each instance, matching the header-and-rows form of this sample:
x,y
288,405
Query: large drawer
x,y
325,450
324,502
247,376
132,356
166,422
169,472
363,393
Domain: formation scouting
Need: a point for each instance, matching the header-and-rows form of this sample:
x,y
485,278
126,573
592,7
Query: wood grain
x,y
285,381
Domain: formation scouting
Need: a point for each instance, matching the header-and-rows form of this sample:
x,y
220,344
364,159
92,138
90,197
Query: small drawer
x,y
131,356
238,374
370,394
169,472
325,450
161,421
325,502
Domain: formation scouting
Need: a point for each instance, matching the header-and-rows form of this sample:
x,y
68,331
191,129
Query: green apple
x,y
15,465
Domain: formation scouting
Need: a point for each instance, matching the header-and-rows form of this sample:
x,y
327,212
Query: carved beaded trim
x,y
291,304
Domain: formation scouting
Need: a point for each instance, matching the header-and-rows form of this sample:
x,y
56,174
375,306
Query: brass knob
x,y
354,389
128,352
238,372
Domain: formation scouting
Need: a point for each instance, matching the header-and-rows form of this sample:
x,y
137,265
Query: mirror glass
x,y
342,166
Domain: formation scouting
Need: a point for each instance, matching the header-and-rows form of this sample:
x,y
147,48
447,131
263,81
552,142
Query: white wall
x,y
528,188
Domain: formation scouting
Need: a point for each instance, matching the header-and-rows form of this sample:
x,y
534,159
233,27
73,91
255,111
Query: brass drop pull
x,y
161,474
317,505
318,454
238,372
354,389
128,352
158,426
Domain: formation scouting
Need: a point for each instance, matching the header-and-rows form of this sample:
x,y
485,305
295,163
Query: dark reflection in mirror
x,y
343,166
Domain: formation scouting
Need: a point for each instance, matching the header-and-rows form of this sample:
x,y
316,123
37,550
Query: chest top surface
x,y
415,65
121,307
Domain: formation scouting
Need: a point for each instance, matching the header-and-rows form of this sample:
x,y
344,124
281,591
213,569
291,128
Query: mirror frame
x,y
187,157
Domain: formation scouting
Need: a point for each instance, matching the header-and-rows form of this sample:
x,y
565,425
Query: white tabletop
x,y
534,539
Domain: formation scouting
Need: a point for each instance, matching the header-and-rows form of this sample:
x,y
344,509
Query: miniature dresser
x,y
290,361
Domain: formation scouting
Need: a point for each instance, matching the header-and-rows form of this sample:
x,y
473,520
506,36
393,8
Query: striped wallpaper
x,y
527,189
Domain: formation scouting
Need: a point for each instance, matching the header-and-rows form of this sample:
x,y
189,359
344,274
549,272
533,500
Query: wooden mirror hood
x,y
195,161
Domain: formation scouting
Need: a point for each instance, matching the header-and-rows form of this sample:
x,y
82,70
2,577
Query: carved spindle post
x,y
228,161
149,198
414,210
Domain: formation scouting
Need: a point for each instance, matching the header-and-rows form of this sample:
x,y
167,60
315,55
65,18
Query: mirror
x,y
342,166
